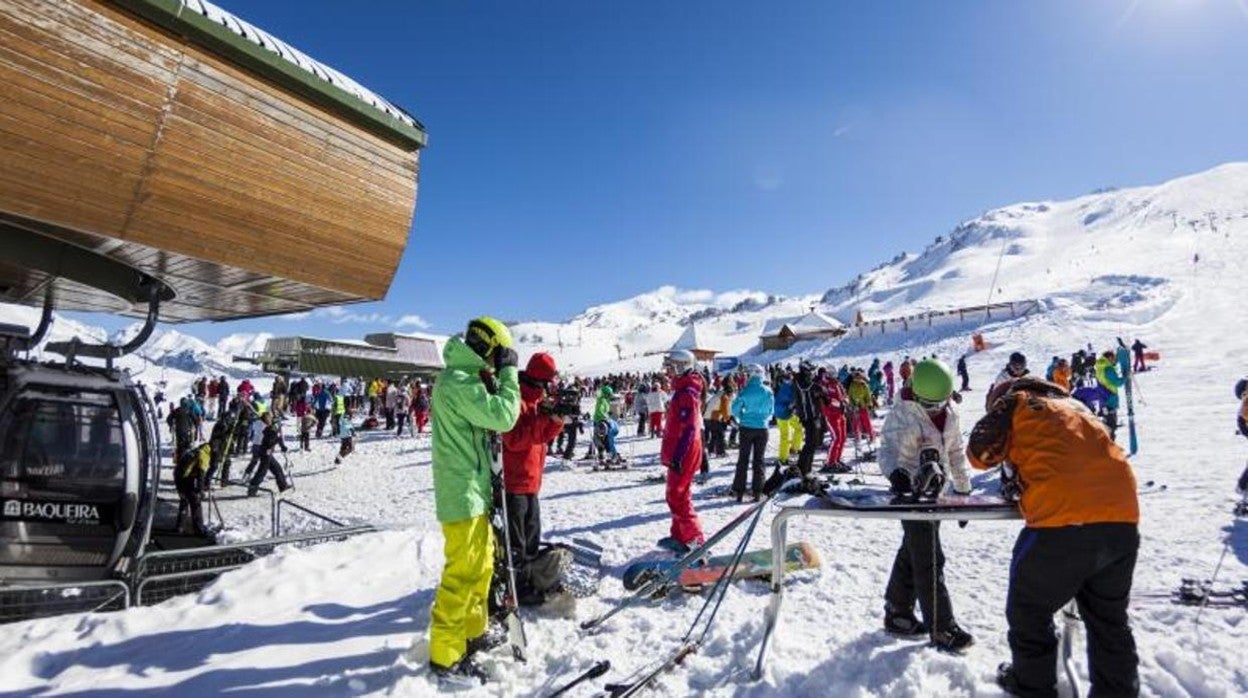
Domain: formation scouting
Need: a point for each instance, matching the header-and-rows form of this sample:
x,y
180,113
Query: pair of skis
x,y
1124,365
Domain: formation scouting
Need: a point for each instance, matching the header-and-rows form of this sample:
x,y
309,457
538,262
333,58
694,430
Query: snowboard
x,y
753,565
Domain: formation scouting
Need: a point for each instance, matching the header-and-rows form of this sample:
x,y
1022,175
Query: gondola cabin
x,y
78,473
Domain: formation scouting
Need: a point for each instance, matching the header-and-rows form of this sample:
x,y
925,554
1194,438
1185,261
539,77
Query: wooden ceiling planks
x,y
248,200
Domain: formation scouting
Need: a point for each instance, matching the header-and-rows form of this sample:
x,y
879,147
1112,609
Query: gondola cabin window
x,y
62,445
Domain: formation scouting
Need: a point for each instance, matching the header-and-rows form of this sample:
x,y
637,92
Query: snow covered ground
x,y
337,619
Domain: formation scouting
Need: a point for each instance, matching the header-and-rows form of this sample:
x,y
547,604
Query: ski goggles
x,y
932,405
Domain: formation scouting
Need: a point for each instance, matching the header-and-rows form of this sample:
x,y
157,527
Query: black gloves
x,y
504,357
899,480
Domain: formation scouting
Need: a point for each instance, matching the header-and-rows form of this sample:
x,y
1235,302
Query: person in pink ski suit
x,y
681,451
834,414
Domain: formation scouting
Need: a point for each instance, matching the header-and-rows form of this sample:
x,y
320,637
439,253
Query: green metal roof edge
x,y
215,38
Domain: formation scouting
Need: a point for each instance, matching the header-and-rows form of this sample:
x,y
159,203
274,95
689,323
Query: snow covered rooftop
x,y
813,321
688,339
293,55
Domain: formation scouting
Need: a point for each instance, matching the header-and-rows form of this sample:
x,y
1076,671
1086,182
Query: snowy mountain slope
x,y
1102,251
651,321
1145,236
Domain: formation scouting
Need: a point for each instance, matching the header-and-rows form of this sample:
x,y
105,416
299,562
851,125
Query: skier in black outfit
x,y
962,373
182,422
270,440
189,477
808,399
223,396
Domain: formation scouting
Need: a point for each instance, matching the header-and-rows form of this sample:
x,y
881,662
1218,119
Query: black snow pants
x,y
1093,564
524,525
753,446
814,429
268,464
916,571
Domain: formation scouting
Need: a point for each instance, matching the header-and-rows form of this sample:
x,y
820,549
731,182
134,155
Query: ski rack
x,y
813,508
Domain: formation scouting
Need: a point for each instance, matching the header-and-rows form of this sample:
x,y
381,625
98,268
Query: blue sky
x,y
585,151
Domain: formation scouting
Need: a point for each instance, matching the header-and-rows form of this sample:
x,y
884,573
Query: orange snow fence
x,y
1152,356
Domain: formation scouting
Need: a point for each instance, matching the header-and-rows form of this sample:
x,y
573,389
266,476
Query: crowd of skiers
x,y
493,426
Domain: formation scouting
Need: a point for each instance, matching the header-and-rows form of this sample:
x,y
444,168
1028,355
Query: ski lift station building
x,y
379,355
164,159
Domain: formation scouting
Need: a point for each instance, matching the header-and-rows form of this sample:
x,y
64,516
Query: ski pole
x,y
593,672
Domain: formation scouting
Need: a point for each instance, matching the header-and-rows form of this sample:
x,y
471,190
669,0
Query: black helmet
x,y
1017,359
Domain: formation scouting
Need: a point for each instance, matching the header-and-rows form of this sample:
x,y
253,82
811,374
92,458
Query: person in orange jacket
x,y
1061,374
524,458
1081,540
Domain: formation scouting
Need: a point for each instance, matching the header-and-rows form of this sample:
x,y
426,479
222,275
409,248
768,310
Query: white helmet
x,y
680,361
755,370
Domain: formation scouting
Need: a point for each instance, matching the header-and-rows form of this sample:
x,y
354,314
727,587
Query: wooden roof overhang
x,y
164,141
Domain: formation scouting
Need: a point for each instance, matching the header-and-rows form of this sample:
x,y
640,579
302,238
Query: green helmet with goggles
x,y
932,382
485,334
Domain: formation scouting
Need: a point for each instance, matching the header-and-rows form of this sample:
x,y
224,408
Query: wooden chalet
x,y
179,141
782,333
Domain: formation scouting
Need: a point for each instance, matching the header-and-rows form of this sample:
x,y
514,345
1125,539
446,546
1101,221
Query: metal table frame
x,y
779,534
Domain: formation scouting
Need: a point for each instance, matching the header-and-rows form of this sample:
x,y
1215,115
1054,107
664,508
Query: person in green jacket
x,y
477,393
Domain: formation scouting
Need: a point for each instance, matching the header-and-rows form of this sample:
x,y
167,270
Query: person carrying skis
x,y
1081,539
1110,381
921,444
753,409
524,458
790,425
476,393
681,452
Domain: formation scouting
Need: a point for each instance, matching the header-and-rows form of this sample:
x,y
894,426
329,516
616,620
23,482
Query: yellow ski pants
x,y
461,603
791,434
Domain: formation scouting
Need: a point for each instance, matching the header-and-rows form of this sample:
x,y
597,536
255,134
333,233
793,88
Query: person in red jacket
x,y
681,452
524,457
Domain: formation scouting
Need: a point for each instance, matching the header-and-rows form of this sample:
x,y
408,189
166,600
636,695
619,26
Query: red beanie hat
x,y
541,367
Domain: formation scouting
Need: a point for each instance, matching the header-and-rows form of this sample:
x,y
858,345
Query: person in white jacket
x,y
921,454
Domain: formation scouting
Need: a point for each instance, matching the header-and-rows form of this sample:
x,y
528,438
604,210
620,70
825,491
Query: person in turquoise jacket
x,y
1109,378
475,397
753,409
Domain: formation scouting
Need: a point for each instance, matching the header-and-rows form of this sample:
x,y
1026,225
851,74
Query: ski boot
x,y
952,639
461,675
903,624
1007,680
